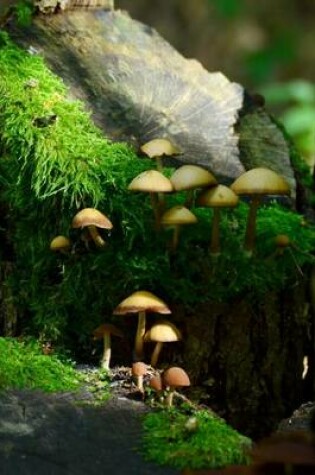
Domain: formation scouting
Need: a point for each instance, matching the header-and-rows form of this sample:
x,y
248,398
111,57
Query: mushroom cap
x,y
175,376
139,369
158,148
187,177
91,217
151,181
107,329
60,243
282,240
141,301
164,332
260,181
220,196
178,215
156,383
296,448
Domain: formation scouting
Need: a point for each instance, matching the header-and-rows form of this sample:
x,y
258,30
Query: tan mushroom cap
x,y
282,240
151,181
107,329
260,181
91,217
139,369
220,196
60,243
156,383
141,301
176,377
188,177
164,332
159,147
178,215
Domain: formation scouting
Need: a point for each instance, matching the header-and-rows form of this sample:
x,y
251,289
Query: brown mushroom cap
x,y
175,377
220,196
60,243
141,301
178,215
139,369
156,383
282,240
158,148
188,177
107,329
151,181
260,181
91,217
164,332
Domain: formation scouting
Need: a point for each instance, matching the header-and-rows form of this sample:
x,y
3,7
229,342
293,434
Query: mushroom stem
x,y
190,198
139,383
170,396
215,233
175,239
95,235
156,353
139,335
250,234
155,202
107,351
159,164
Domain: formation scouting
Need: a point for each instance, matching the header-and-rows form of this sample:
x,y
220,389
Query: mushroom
x,y
156,148
220,196
282,241
174,377
156,384
141,302
153,182
189,178
92,219
257,183
176,217
139,370
105,331
60,244
162,332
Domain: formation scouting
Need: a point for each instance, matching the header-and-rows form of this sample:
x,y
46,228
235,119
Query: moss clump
x,y
24,366
212,443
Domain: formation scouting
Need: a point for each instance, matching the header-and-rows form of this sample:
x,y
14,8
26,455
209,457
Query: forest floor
x,y
74,433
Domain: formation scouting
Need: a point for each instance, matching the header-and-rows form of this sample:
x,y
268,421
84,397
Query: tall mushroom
x,y
220,196
153,182
105,331
256,184
189,178
92,219
162,332
141,302
174,377
176,217
157,148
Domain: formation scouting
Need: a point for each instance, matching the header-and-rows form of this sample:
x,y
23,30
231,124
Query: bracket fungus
x,y
220,196
256,184
189,178
92,219
141,302
176,217
174,377
157,148
105,331
155,183
162,332
60,244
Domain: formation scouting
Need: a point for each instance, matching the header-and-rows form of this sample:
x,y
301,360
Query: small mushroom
x,y
176,217
152,182
174,377
162,332
138,370
92,219
220,196
105,331
282,241
189,178
157,148
141,302
256,184
60,244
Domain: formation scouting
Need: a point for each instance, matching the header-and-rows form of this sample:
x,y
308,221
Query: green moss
x,y
210,444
